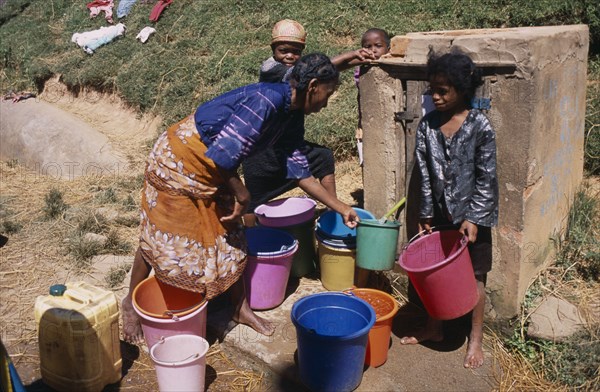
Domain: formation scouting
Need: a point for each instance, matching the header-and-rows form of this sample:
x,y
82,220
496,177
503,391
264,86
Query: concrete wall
x,y
536,78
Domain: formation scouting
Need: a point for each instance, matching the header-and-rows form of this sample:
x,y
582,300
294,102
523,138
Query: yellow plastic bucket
x,y
337,267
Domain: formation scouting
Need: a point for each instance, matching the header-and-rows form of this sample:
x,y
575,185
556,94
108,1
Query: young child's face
x,y
375,42
444,95
287,53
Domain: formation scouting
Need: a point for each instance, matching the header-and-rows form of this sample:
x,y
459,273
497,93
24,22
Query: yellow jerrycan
x,y
78,333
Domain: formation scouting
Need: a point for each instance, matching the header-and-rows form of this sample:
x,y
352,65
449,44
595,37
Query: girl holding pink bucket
x,y
456,156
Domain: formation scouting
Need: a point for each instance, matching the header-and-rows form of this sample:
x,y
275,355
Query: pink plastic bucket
x,y
174,322
440,269
286,212
270,256
180,363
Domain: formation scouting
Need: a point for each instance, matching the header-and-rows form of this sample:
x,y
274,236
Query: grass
x,y
55,205
581,247
191,59
108,195
94,223
83,249
116,275
572,363
592,119
8,222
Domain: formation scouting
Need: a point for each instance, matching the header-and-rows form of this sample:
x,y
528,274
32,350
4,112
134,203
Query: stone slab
x,y
555,319
408,368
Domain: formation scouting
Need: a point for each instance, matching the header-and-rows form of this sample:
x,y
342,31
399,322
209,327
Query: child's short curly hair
x,y
458,68
313,66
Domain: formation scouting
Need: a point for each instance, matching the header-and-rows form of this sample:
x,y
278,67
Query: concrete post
x,y
536,79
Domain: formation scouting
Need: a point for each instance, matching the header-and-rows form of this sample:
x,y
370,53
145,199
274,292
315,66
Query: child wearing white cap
x,y
288,39
264,175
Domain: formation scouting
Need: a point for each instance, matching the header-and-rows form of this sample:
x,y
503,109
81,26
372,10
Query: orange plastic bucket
x,y
386,308
159,300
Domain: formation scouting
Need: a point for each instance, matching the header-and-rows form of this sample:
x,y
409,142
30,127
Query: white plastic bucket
x,y
180,363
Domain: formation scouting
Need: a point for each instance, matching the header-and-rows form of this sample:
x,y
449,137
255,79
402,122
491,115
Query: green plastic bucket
x,y
376,244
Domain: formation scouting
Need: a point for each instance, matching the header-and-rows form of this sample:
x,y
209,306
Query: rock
x,y
110,214
555,319
55,143
93,237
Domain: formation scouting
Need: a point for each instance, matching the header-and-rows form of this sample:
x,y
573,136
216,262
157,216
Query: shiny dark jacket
x,y
458,175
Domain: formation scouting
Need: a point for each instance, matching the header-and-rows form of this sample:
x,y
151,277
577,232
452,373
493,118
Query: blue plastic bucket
x,y
331,224
268,242
349,243
332,331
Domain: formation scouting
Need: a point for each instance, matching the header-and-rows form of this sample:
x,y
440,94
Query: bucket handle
x,y
437,228
173,363
350,291
171,312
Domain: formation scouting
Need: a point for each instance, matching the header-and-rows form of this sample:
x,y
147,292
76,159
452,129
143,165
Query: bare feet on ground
x,y
247,317
432,332
474,356
132,329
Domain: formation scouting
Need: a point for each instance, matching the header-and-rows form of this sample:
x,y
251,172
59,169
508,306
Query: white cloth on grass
x,y
92,40
145,33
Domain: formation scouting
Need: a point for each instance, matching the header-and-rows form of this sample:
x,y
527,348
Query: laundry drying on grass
x,y
89,41
98,6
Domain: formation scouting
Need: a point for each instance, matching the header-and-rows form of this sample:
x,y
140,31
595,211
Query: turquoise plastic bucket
x,y
376,244
332,331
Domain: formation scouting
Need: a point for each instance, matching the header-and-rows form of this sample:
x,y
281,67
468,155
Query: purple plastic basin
x,y
286,212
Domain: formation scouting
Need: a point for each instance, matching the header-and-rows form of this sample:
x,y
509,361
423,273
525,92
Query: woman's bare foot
x,y
474,357
246,316
432,332
132,329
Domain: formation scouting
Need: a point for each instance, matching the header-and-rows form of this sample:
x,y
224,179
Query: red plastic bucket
x,y
440,269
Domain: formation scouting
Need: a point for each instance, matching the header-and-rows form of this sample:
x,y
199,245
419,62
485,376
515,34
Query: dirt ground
x,y
37,255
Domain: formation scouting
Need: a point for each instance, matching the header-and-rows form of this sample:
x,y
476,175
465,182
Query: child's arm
x,y
426,207
483,206
352,58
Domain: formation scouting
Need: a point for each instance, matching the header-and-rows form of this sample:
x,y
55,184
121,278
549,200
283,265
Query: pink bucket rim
x,y
185,361
275,255
173,318
463,245
270,210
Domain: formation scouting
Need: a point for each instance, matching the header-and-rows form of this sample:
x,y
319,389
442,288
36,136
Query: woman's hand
x,y
242,200
314,189
469,229
350,217
240,194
